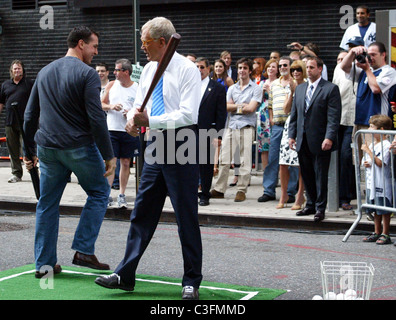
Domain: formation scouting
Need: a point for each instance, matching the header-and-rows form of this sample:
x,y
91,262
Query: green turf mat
x,y
75,283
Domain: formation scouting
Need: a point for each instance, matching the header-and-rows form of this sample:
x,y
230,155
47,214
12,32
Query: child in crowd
x,y
377,162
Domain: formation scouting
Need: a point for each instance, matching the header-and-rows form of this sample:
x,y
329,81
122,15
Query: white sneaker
x,y
122,201
14,179
110,202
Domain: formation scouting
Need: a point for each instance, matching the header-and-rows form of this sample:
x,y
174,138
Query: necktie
x,y
308,98
158,106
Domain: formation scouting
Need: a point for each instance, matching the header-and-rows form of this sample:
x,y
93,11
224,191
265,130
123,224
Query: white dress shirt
x,y
181,92
315,85
204,85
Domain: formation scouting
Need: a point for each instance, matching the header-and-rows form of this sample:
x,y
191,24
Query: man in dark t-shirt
x,y
65,118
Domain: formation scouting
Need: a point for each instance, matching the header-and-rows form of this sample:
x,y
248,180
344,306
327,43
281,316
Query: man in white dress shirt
x,y
172,109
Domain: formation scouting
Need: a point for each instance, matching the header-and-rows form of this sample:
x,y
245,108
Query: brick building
x,y
246,28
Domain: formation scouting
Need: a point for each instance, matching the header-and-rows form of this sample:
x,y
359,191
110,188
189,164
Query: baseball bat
x,y
163,63
33,172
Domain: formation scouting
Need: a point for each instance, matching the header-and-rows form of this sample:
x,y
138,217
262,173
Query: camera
x,y
361,58
291,46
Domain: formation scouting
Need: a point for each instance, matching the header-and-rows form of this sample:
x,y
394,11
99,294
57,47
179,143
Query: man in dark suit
x,y
314,122
212,115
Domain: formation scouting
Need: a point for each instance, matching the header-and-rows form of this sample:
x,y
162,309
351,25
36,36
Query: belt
x,y
191,127
281,124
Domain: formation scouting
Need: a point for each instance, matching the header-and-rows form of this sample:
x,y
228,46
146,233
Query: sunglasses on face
x,y
296,69
201,67
285,65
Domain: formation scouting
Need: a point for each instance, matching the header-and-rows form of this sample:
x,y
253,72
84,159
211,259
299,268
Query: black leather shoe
x,y
265,198
90,261
113,281
190,293
203,202
57,269
319,216
305,212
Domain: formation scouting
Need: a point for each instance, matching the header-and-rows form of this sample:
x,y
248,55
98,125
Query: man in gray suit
x,y
313,129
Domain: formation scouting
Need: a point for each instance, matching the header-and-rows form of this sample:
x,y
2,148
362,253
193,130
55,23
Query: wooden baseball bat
x,y
163,63
33,172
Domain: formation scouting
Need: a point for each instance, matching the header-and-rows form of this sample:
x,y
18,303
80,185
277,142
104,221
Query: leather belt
x,y
191,127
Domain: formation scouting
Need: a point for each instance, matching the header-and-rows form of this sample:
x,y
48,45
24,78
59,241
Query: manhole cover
x,y
12,227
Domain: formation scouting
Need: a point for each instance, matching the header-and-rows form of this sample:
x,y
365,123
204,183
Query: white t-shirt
x,y
379,179
116,121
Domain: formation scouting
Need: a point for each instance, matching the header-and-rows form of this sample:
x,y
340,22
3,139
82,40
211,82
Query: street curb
x,y
210,219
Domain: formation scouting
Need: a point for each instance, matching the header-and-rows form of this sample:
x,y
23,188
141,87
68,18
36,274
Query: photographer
x,y
311,49
374,77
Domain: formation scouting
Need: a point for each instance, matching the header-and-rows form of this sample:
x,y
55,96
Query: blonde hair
x,y
300,64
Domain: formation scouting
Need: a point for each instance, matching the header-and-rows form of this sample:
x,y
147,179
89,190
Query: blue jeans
x,y
56,166
270,176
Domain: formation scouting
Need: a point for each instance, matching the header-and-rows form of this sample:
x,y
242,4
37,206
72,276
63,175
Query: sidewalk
x,y
222,212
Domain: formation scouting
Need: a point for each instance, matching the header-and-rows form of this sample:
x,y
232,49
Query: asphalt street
x,y
271,258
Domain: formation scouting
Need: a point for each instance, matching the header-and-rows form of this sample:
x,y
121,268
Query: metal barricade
x,y
363,203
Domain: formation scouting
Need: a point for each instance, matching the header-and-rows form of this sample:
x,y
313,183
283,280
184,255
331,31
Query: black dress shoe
x,y
203,202
265,198
305,212
57,269
90,261
319,216
190,293
113,281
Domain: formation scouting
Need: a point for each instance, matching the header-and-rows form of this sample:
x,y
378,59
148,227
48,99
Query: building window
x,y
33,4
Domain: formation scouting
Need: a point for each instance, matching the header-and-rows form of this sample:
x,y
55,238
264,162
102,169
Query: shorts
x,y
379,201
124,145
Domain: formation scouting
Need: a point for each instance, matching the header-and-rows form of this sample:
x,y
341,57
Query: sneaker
x,y
122,201
14,179
113,281
110,202
190,293
369,216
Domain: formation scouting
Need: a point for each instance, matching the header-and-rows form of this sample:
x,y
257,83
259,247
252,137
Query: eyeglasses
x,y
118,70
146,42
296,69
201,67
285,65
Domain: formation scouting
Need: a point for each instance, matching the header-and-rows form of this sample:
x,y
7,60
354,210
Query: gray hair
x,y
125,64
160,27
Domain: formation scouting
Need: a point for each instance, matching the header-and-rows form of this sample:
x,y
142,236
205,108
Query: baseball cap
x,y
356,41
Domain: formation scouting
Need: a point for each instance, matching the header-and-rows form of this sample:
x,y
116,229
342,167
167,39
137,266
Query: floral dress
x,y
287,156
264,129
